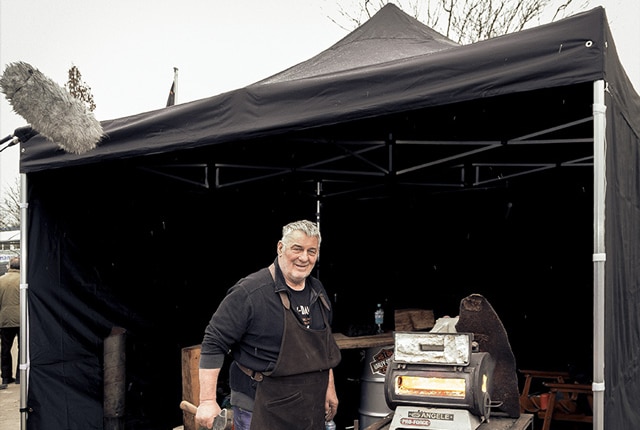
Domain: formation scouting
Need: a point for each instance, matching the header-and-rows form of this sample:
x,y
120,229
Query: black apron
x,y
292,396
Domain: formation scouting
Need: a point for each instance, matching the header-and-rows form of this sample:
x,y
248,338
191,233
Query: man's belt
x,y
256,376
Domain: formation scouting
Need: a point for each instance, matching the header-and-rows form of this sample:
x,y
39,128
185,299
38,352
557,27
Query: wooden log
x,y
190,383
413,319
114,369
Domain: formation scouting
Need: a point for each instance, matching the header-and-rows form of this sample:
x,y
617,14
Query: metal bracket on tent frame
x,y
597,386
538,167
279,171
599,108
204,183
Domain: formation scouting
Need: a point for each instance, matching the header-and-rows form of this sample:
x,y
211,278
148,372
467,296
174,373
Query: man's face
x,y
297,260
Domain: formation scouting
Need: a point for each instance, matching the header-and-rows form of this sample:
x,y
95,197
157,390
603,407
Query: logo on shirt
x,y
305,314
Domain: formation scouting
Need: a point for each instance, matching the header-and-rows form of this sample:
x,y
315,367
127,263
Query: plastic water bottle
x,y
330,425
379,317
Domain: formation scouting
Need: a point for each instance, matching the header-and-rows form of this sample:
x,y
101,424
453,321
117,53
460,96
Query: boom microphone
x,y
50,109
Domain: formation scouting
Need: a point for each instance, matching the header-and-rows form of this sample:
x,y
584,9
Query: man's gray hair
x,y
307,227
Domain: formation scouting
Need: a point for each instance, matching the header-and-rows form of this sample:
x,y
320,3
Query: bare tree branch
x,y
466,21
10,207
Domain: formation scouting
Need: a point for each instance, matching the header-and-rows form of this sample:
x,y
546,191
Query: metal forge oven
x,y
437,381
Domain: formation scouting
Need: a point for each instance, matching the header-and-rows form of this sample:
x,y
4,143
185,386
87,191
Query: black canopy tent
x,y
441,170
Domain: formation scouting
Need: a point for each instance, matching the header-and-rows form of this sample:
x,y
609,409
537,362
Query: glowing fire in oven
x,y
425,386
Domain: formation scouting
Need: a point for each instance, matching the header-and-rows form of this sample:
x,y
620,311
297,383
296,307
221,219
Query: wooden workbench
x,y
525,421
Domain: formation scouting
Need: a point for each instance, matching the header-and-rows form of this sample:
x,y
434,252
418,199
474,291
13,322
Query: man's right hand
x,y
207,411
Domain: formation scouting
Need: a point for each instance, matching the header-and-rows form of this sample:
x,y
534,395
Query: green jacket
x,y
10,299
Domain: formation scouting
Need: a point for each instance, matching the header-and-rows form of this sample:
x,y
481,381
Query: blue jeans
x,y
241,418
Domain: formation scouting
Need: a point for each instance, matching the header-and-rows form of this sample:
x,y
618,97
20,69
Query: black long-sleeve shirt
x,y
250,319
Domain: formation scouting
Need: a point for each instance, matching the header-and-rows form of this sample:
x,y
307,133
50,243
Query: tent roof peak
x,y
389,35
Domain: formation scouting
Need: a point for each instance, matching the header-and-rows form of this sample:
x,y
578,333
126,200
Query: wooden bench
x,y
528,402
567,401
564,404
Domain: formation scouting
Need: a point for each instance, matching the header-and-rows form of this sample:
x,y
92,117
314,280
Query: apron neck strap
x,y
284,298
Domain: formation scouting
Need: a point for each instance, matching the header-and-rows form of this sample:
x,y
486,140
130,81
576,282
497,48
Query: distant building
x,y
9,247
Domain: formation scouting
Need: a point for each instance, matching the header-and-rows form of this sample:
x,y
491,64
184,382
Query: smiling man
x,y
276,325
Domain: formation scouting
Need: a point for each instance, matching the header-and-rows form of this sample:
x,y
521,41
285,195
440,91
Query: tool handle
x,y
189,407
219,422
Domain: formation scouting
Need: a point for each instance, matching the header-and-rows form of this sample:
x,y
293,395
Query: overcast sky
x,y
126,49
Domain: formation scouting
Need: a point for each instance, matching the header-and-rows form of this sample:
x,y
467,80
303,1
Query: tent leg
x,y
318,204
599,256
24,332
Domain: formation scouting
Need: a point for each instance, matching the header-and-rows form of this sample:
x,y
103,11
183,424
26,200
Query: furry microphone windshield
x,y
50,109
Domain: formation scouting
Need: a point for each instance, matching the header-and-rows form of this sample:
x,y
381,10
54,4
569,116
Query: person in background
x,y
9,320
276,325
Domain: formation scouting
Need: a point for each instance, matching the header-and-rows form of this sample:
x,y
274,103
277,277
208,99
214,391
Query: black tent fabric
x,y
564,53
441,171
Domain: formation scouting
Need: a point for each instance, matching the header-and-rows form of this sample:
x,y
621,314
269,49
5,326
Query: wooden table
x,y
372,341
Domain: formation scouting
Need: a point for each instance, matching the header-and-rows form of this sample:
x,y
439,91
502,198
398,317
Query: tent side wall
x,y
622,244
622,273
67,324
120,251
